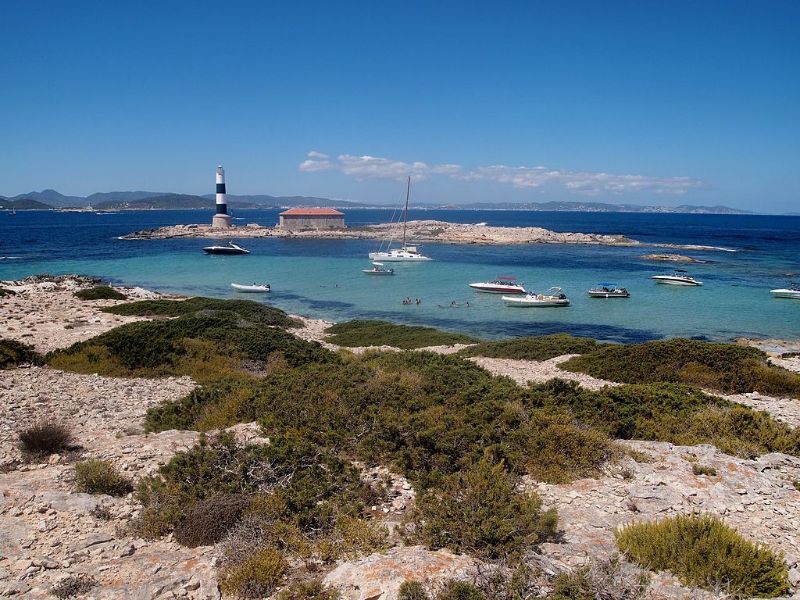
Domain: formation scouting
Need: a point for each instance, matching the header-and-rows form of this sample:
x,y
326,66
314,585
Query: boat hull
x,y
673,281
226,251
608,294
387,257
528,302
488,288
251,289
787,293
371,272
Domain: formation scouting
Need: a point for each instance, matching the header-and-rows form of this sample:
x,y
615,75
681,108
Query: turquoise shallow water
x,y
324,279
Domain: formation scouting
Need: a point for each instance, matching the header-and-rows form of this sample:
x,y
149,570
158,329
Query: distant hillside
x,y
166,202
52,197
598,207
99,197
23,204
264,201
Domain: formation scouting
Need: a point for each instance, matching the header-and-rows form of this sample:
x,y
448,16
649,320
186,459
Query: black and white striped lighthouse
x,y
221,219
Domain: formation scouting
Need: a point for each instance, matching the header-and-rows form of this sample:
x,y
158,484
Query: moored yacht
x,y
404,253
554,297
230,248
504,284
679,277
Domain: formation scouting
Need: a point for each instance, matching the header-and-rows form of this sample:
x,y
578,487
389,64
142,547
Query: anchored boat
x,y
678,277
230,248
378,269
404,253
253,289
554,297
792,292
504,284
605,289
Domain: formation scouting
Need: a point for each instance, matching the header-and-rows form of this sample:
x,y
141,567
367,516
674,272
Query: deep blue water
x,y
323,278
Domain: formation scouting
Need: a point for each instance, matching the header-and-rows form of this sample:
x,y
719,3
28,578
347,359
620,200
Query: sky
x,y
640,102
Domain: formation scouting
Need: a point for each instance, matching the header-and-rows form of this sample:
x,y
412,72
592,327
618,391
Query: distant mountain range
x,y
48,199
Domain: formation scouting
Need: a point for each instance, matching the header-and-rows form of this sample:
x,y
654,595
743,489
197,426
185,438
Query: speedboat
x,y
504,284
377,269
230,248
253,289
554,297
679,277
792,292
608,290
402,254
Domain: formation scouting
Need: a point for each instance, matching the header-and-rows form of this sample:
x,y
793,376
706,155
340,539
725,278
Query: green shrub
x,y
257,577
101,477
207,522
203,346
73,586
100,292
412,590
43,439
382,333
460,590
728,368
573,585
480,512
704,552
313,485
13,353
670,413
247,310
603,579
541,347
703,470
308,590
796,484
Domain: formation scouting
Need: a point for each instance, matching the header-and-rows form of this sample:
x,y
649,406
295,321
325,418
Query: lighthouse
x,y
222,219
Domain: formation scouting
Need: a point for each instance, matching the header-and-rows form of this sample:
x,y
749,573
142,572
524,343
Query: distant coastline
x,y
140,200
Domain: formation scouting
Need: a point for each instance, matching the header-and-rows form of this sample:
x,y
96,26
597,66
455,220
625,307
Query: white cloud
x,y
579,182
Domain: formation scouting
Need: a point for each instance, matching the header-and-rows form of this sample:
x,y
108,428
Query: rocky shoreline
x,y
49,532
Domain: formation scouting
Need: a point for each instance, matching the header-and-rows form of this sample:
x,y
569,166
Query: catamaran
x,y
404,253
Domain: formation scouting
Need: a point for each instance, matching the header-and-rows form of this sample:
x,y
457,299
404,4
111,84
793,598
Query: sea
x,y
324,279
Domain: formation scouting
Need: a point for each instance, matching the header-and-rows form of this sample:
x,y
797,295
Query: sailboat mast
x,y
405,211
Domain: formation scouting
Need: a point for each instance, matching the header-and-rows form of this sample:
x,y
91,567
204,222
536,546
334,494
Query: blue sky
x,y
646,102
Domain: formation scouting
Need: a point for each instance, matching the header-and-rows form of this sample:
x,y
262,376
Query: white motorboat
x,y
790,292
504,284
554,297
252,289
404,253
679,277
378,269
605,289
230,248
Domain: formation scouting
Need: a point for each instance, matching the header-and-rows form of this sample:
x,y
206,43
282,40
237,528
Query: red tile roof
x,y
312,212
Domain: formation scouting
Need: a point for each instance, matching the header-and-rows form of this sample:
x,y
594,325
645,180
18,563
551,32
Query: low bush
x,y
247,310
704,552
727,368
670,413
703,470
541,347
207,522
14,353
100,292
308,590
412,590
257,577
203,346
73,586
382,333
43,439
7,292
479,511
460,590
313,486
101,477
604,579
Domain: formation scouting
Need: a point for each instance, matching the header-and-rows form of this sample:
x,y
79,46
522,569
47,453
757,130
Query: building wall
x,y
311,222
